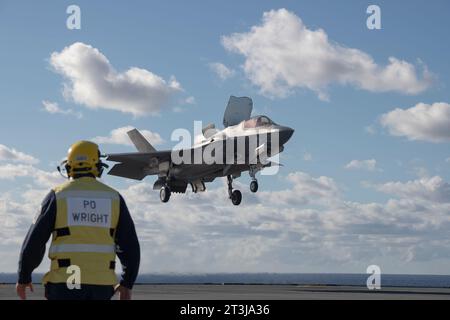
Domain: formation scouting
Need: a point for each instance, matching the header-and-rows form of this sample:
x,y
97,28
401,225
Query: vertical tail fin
x,y
141,144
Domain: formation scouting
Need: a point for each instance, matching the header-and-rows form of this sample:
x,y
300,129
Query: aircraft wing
x,y
128,171
137,165
140,157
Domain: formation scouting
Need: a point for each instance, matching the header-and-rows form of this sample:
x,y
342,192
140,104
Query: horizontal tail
x,y
141,144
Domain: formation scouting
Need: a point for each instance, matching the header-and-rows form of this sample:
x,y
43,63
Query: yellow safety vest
x,y
87,213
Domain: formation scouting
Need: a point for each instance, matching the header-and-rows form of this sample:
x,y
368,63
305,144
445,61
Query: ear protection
x,y
66,168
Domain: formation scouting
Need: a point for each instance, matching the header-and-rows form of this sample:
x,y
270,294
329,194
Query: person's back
x,y
87,220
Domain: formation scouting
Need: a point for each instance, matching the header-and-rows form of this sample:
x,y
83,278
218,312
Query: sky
x,y
364,178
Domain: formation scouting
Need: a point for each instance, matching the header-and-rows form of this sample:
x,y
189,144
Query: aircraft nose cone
x,y
285,134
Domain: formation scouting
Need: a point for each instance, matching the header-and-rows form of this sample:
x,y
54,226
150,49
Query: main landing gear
x,y
234,195
164,193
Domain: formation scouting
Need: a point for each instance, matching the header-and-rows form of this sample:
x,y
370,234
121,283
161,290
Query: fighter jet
x,y
245,144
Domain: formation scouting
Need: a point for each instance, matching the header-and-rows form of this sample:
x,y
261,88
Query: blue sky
x,y
182,39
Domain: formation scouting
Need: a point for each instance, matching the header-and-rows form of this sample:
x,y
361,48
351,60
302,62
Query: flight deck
x,y
261,292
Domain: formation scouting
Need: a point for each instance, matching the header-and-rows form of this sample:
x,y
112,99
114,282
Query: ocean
x,y
387,280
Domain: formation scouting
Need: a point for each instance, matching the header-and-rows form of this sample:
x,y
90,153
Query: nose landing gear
x,y
254,186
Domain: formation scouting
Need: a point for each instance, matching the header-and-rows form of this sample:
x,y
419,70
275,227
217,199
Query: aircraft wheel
x,y
164,194
254,186
236,197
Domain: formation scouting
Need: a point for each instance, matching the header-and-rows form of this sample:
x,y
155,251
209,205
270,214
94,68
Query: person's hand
x,y
22,288
124,292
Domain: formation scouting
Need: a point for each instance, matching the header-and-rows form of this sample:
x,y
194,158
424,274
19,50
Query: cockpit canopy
x,y
258,121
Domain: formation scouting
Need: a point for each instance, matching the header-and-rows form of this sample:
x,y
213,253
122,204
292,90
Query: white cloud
x,y
222,71
282,54
12,171
305,227
47,179
119,136
433,189
305,190
94,82
16,217
422,122
40,177
20,205
268,233
53,108
369,165
10,154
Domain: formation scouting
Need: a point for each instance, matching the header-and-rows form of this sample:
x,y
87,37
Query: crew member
x,y
90,224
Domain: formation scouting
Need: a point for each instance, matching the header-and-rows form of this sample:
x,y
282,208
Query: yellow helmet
x,y
83,157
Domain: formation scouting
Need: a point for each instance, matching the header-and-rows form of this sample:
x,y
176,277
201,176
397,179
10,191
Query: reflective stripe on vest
x,y
87,194
95,248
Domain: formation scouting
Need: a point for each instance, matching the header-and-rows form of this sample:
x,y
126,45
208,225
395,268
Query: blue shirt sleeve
x,y
129,252
33,248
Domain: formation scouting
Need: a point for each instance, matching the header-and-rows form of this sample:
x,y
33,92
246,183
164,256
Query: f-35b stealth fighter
x,y
245,144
